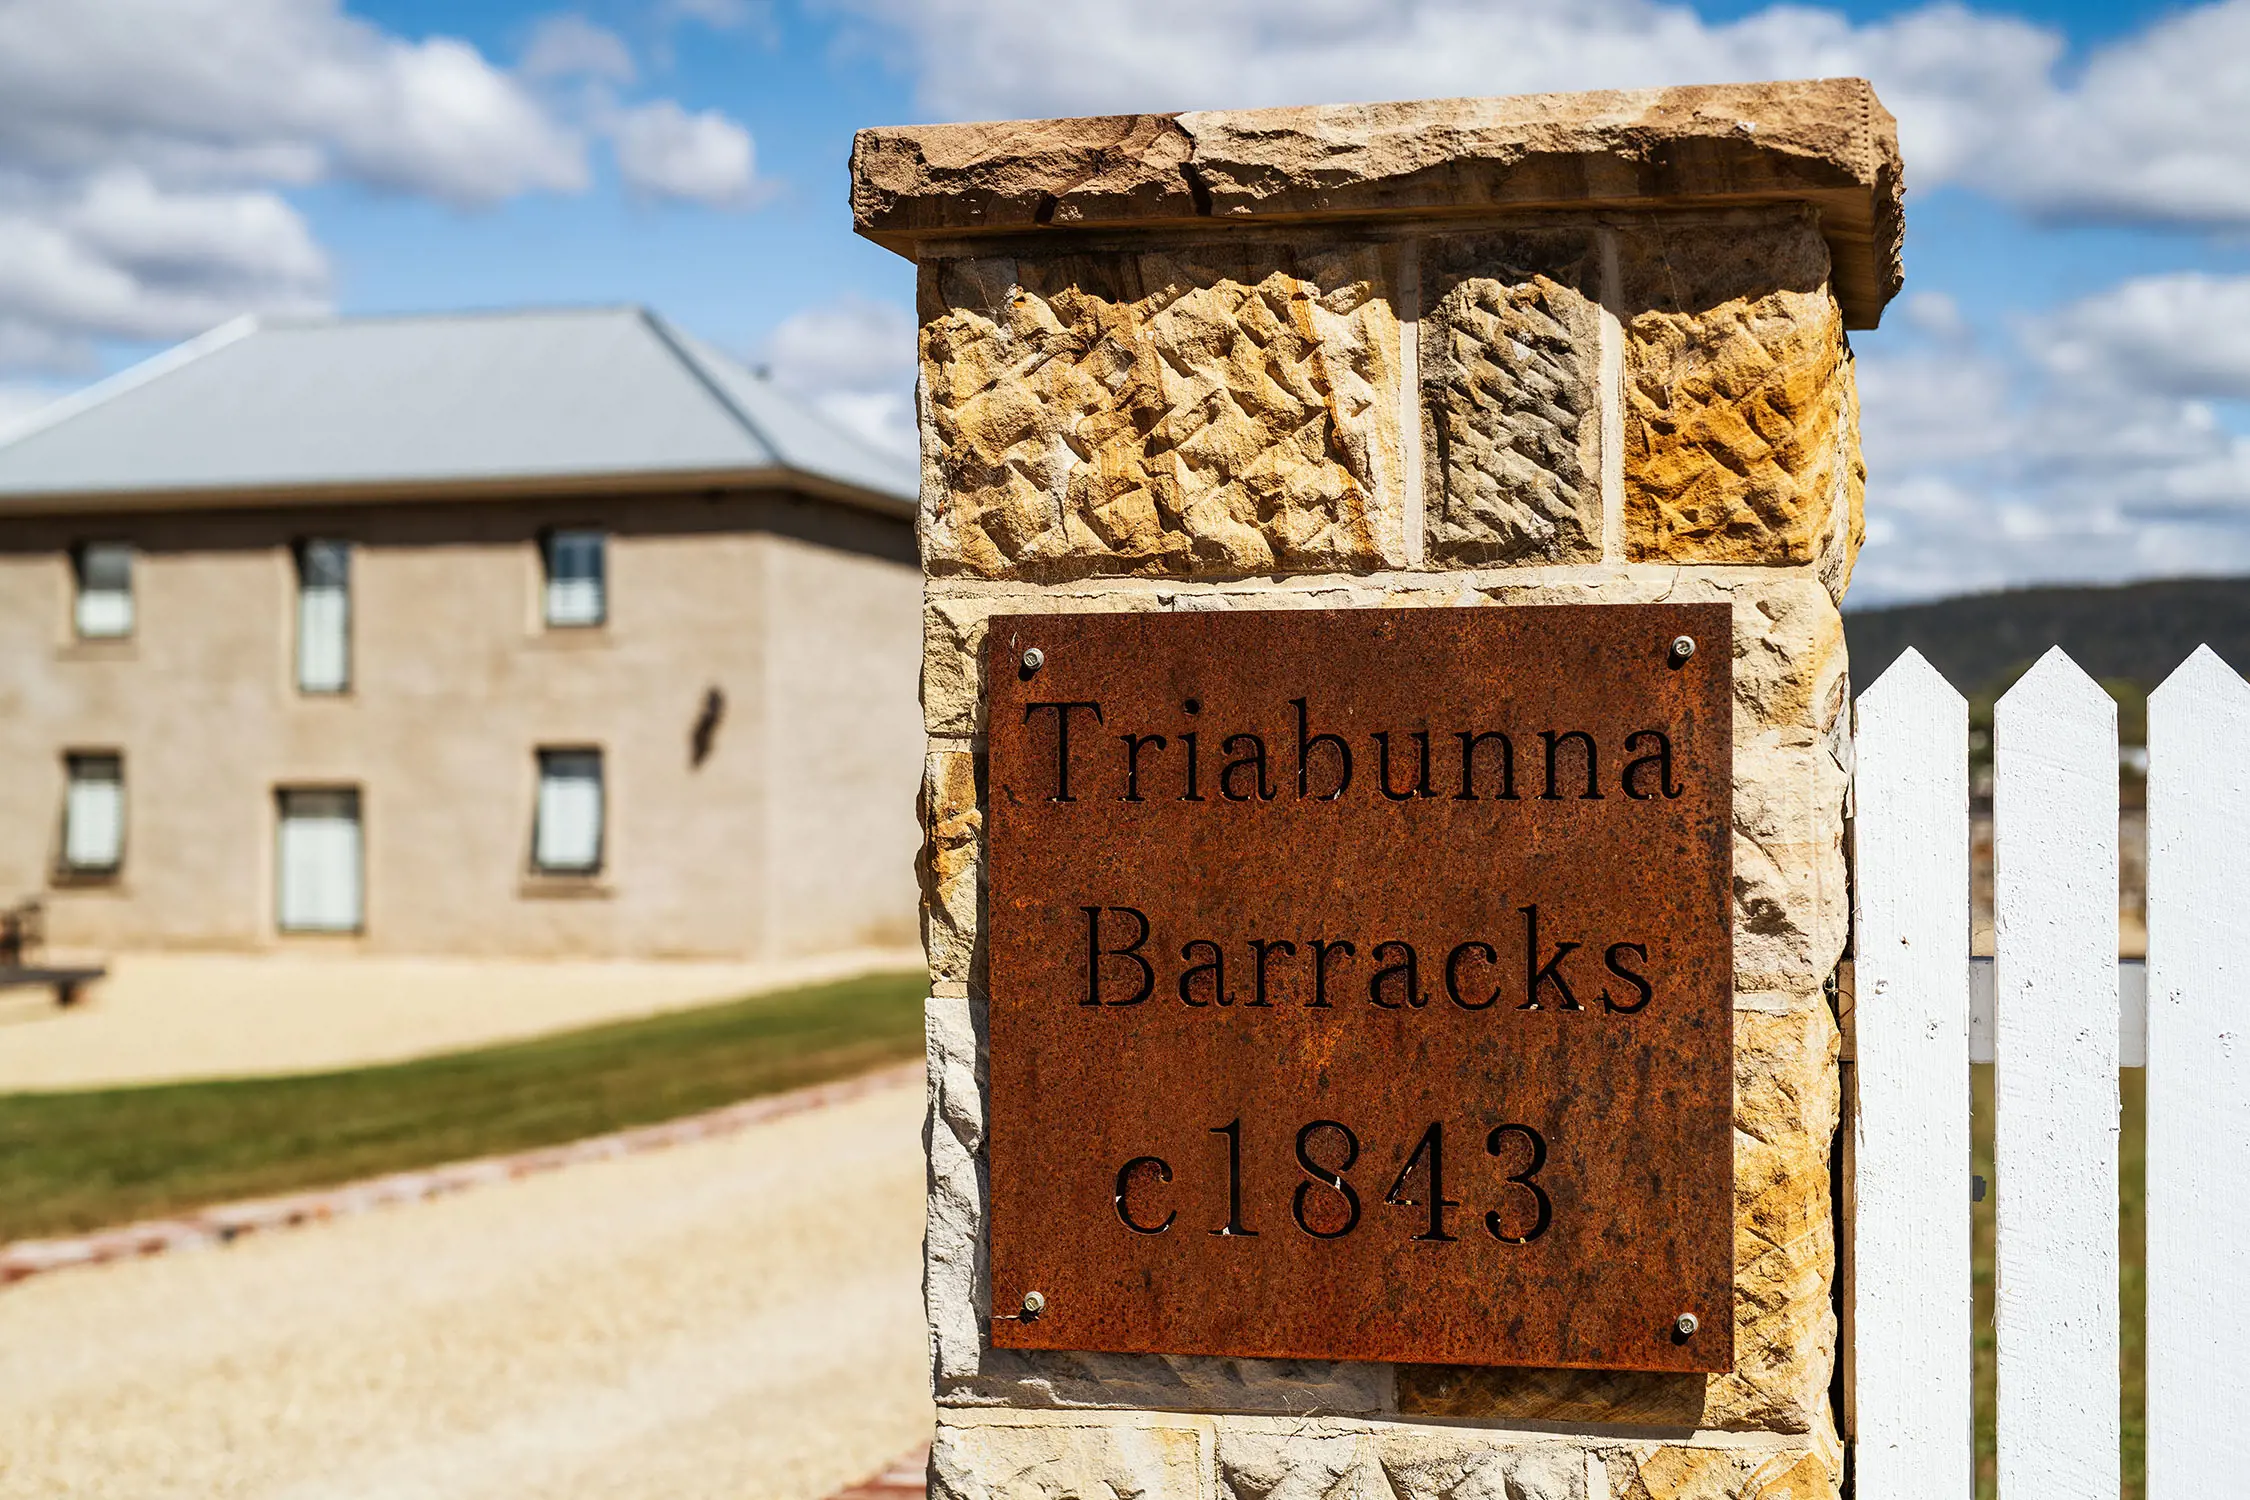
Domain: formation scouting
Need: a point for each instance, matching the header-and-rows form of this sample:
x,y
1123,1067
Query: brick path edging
x,y
226,1222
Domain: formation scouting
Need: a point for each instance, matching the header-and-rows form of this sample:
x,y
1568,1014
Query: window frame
x,y
81,554
282,794
302,552
551,544
67,867
597,864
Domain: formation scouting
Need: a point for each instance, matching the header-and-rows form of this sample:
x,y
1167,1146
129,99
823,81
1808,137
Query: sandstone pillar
x,y
1473,353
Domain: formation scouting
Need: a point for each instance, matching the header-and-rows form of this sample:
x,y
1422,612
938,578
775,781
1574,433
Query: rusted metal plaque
x,y
1360,984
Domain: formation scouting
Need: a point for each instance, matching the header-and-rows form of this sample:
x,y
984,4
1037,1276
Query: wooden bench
x,y
67,981
22,930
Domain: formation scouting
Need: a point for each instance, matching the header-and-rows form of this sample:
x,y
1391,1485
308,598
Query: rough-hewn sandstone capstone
x,y
1828,142
1471,354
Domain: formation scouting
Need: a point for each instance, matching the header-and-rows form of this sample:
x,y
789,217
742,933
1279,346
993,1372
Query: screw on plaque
x,y
1034,1303
1683,647
1034,659
1685,1325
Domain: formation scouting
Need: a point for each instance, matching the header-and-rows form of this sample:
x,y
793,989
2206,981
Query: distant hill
x,y
2139,631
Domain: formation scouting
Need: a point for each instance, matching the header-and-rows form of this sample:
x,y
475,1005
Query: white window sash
x,y
576,592
94,821
320,862
104,606
323,620
568,833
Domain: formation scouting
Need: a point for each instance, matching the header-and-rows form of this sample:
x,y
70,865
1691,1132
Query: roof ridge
x,y
456,314
677,341
163,362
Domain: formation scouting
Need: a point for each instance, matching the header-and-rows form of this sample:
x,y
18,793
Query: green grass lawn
x,y
78,1161
2132,1278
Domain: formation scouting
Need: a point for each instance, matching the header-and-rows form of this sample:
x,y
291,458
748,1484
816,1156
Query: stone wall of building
x,y
790,834
1578,405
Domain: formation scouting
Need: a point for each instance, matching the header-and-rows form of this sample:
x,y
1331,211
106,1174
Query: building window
x,y
324,617
94,813
105,590
577,588
319,888
567,835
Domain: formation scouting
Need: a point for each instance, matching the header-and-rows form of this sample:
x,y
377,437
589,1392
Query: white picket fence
x,y
2057,1034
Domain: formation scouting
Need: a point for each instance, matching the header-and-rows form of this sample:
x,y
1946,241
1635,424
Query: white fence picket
x,y
1909,1259
2198,1080
2132,1012
2055,980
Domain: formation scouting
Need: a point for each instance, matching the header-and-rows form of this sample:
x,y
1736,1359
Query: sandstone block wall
x,y
1552,406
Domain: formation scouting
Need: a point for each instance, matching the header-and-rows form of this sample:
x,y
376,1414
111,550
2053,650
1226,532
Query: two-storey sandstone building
x,y
550,633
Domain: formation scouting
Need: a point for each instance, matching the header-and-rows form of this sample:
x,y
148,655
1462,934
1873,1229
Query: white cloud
x,y
146,148
2154,129
286,90
854,342
570,46
2182,334
854,359
252,237
2151,128
118,257
664,151
2091,447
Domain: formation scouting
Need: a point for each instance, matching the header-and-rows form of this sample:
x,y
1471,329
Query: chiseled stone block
x,y
1212,410
1683,1471
1510,357
1065,1459
1268,1458
1792,897
954,1276
1735,377
951,865
1848,528
1425,1470
1255,1463
1361,1462
1787,1102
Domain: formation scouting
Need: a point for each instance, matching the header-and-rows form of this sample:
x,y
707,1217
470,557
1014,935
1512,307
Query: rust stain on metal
x,y
1361,985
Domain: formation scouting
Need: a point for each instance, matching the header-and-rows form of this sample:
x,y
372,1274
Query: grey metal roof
x,y
352,403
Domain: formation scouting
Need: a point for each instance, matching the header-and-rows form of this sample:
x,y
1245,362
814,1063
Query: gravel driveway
x,y
738,1317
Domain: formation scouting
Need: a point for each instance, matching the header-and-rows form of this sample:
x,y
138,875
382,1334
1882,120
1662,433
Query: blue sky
x,y
2063,393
